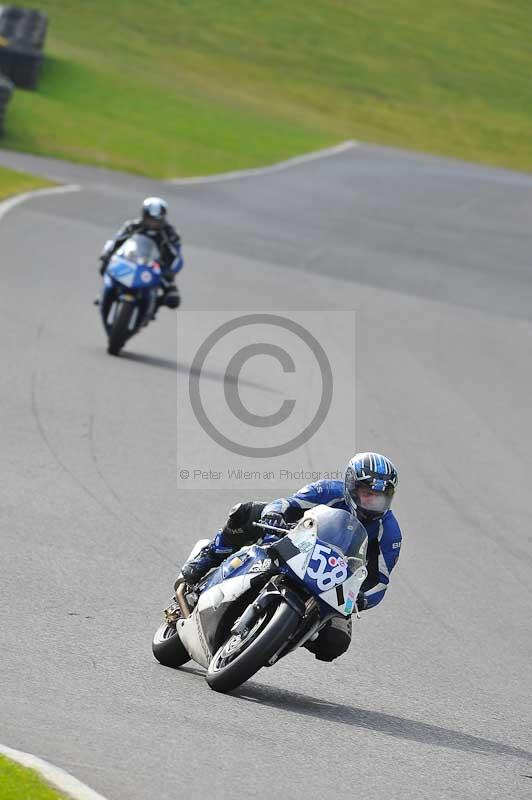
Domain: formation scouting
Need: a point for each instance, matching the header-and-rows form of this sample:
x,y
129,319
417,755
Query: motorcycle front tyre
x,y
241,657
120,333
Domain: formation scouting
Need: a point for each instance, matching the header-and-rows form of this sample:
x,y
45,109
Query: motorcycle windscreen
x,y
342,531
139,248
339,529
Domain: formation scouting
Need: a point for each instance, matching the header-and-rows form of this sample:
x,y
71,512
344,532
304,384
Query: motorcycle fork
x,y
112,310
271,592
151,307
134,319
107,300
265,599
297,639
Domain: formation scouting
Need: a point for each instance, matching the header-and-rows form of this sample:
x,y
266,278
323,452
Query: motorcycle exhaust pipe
x,y
182,600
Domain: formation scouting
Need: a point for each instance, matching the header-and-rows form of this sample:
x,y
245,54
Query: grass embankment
x,y
19,783
201,86
12,182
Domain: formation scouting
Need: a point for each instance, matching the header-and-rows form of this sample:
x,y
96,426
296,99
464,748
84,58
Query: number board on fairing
x,y
326,568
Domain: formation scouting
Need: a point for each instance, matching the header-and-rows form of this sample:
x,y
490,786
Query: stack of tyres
x,y
6,90
22,64
22,35
24,25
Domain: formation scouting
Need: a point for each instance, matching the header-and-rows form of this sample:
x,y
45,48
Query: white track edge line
x,y
10,202
281,165
56,776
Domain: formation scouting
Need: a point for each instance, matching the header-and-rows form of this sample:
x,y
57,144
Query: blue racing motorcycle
x,y
267,599
132,286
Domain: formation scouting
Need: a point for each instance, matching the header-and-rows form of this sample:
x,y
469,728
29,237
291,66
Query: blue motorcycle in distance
x,y
132,285
267,599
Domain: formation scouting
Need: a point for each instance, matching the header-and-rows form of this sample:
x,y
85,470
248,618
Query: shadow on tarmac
x,y
175,366
399,727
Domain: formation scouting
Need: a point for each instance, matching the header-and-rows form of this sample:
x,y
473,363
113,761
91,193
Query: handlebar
x,y
274,528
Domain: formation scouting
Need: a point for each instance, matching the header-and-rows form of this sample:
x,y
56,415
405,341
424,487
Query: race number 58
x,y
330,569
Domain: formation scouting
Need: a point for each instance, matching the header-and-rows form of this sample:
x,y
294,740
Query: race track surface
x,y
433,698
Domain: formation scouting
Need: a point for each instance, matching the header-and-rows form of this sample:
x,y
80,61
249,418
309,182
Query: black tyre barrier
x,y
22,35
24,25
21,64
28,29
6,90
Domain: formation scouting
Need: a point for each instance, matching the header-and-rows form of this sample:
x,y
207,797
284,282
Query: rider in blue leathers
x,y
367,491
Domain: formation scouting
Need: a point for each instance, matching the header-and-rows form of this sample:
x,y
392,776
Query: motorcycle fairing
x,y
132,275
238,563
201,631
232,580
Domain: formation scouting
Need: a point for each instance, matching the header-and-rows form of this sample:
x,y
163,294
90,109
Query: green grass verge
x,y
12,182
199,86
19,783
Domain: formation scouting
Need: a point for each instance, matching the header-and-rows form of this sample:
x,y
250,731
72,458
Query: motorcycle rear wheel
x,y
120,333
167,646
241,657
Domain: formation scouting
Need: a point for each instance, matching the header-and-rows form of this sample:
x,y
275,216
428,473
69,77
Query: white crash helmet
x,y
154,209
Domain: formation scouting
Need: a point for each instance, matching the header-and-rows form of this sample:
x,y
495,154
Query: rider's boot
x,y
237,531
333,639
208,557
171,297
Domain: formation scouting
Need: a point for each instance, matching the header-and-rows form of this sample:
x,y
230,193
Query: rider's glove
x,y
104,260
362,601
274,518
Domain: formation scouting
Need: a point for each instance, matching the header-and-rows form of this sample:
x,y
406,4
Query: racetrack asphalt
x,y
433,698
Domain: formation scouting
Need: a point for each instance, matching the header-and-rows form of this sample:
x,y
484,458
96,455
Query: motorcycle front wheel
x,y
240,657
120,333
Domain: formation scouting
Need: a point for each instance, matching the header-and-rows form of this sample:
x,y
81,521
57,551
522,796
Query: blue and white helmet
x,y
369,486
154,210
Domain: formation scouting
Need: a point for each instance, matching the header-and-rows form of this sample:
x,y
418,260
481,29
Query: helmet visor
x,y
372,500
153,222
370,494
